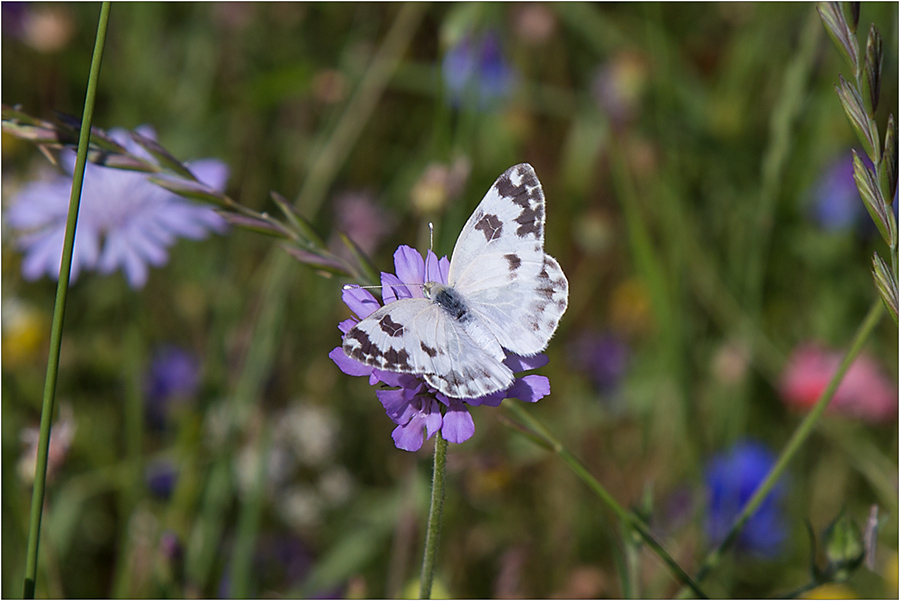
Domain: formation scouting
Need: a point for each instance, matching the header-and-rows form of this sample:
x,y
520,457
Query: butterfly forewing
x,y
503,240
416,336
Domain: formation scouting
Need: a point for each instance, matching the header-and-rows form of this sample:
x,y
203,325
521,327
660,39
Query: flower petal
x,y
410,267
458,425
529,389
360,301
517,363
347,365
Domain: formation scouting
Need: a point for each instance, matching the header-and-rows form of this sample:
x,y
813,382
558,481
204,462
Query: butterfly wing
x,y
499,266
416,336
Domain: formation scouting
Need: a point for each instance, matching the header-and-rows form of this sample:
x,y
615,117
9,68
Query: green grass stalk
x,y
629,520
132,487
335,146
435,513
249,521
59,309
800,435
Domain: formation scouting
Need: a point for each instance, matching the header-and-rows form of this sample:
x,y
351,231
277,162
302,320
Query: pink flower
x,y
864,393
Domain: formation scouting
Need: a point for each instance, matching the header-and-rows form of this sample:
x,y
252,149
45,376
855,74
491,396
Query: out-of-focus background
x,y
696,164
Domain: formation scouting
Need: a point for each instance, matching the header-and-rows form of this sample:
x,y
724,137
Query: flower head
x,y
418,409
124,220
602,356
174,375
836,202
475,66
864,393
731,479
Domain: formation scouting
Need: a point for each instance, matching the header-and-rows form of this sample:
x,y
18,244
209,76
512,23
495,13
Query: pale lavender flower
x,y
418,409
124,220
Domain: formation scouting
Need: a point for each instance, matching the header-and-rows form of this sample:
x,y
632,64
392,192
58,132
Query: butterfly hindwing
x,y
417,336
524,315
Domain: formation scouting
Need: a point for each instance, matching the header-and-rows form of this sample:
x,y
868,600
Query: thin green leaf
x,y
841,34
39,134
162,155
886,284
851,12
366,266
863,126
887,168
871,80
70,128
871,196
191,189
301,225
120,161
254,224
328,264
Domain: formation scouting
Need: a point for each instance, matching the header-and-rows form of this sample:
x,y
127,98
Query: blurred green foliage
x,y
677,145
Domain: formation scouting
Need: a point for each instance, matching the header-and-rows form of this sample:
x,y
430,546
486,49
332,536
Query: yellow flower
x,y
24,333
831,591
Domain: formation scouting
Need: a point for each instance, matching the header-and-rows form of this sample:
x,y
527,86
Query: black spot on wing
x,y
357,345
514,261
526,192
390,327
431,352
491,226
531,222
527,195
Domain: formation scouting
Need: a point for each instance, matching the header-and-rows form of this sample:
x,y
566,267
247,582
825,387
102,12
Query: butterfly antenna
x,y
431,236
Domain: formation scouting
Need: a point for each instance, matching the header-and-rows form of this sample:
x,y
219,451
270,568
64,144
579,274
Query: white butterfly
x,y
503,292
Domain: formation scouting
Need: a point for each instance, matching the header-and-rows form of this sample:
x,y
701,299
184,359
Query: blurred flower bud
x,y
534,22
24,333
844,549
439,184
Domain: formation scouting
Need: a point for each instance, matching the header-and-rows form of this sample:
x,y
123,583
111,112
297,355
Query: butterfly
x,y
504,293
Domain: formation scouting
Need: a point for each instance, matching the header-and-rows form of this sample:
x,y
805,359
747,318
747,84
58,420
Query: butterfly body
x,y
503,293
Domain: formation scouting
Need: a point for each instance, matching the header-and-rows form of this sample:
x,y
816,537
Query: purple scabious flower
x,y
731,479
124,220
174,375
418,409
475,67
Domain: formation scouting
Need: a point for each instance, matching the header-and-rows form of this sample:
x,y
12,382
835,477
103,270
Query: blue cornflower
x,y
174,375
134,219
418,409
731,479
475,66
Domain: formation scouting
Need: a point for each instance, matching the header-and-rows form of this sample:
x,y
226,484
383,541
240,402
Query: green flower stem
x,y
132,484
433,533
59,309
249,520
800,435
629,519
